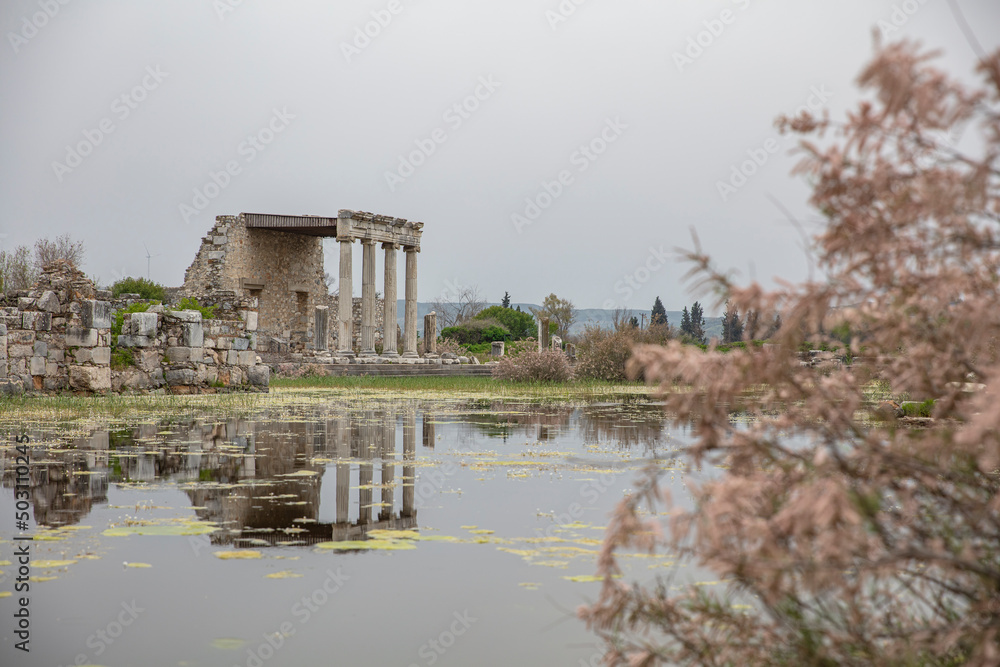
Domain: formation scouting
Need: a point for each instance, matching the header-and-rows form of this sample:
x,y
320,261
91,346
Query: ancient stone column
x,y
368,298
430,334
410,311
345,302
543,334
390,347
322,327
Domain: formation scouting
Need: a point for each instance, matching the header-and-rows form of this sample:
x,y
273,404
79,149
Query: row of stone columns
x,y
345,314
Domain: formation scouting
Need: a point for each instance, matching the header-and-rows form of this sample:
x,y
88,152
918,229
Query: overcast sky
x,y
121,118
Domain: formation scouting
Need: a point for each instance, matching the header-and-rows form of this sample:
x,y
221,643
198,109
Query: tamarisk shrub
x,y
866,542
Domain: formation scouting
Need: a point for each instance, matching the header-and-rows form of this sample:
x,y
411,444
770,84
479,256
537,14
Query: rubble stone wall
x,y
57,337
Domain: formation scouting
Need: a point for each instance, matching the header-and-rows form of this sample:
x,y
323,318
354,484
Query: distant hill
x,y
593,316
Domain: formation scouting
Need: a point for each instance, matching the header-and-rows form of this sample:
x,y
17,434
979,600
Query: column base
x,y
410,355
345,353
368,353
391,355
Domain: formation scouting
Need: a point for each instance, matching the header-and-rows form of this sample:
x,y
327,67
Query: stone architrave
x,y
410,308
322,327
345,302
368,298
543,333
430,333
390,347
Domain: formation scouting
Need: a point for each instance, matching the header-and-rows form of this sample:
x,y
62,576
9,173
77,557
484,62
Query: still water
x,y
326,532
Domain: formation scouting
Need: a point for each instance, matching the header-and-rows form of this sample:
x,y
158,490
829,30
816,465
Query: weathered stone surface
x,y
240,344
251,319
49,302
20,351
58,356
248,358
101,355
81,337
259,376
90,378
43,322
37,366
183,315
183,376
136,341
41,348
498,348
83,355
96,314
143,324
11,387
18,337
430,333
232,358
194,335
178,355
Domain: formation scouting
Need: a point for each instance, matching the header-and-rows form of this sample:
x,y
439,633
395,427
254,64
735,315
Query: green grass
x,y
469,385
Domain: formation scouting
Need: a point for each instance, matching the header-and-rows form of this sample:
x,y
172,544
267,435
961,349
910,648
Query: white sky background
x,y
559,84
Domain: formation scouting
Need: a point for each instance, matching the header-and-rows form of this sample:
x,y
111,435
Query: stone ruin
x,y
57,337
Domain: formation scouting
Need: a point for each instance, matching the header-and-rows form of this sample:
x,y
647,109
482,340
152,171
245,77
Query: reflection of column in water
x,y
409,454
388,464
428,430
343,445
365,470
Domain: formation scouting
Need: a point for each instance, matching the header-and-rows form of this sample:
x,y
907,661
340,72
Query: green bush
x,y
475,331
187,303
519,324
118,320
146,289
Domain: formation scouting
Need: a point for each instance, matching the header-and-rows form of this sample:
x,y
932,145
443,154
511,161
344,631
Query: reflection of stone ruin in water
x,y
260,481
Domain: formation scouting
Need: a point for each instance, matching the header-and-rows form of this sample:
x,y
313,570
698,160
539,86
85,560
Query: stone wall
x,y
56,337
284,271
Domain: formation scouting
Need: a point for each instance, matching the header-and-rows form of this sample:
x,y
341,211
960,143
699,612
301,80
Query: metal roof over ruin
x,y
348,225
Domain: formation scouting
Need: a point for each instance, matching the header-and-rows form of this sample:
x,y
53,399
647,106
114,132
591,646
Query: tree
x,y
17,271
505,302
732,327
855,539
63,247
559,311
147,289
633,322
461,304
520,325
686,322
697,323
658,316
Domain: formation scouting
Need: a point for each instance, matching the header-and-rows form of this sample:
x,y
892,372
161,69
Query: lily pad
x,y
361,545
247,554
185,528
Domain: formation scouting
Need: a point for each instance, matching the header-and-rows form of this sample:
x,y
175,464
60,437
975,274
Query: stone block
x,y
322,323
147,360
215,255
232,358
183,315
37,366
41,348
96,314
101,356
11,387
181,376
224,344
81,337
21,337
194,335
179,355
83,355
259,376
58,356
241,344
28,320
49,302
220,240
43,322
3,329
51,368
498,348
24,302
144,324
136,341
20,351
248,358
250,318
90,378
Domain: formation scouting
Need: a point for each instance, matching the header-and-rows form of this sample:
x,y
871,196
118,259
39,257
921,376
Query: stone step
x,y
407,370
